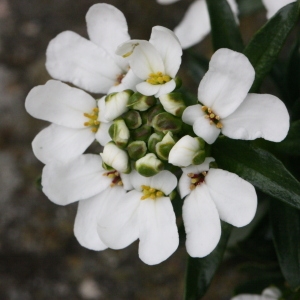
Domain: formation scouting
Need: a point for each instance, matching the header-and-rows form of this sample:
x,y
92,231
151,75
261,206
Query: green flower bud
x,y
153,140
173,103
116,104
132,119
165,122
152,112
164,147
140,102
178,82
142,133
119,133
199,157
149,165
137,149
172,195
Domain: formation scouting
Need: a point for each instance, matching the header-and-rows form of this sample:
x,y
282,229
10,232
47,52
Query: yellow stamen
x,y
158,78
211,116
152,193
93,120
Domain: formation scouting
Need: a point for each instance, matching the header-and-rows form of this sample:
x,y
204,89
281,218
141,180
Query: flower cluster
x,y
155,149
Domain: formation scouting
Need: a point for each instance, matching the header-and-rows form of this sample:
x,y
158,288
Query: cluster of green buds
x,y
145,132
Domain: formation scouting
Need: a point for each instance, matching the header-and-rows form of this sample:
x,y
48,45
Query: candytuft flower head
x,y
228,108
211,195
77,120
155,62
270,293
145,213
93,65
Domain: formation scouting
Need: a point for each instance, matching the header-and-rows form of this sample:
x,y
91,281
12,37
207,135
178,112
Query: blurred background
x,y
39,256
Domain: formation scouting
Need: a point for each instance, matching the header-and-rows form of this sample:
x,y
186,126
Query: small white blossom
x,y
77,120
93,65
270,293
211,195
145,213
228,108
155,62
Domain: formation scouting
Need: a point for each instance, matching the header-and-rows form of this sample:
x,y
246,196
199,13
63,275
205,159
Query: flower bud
x,y
116,104
140,102
153,111
142,133
137,149
164,147
173,103
119,133
153,140
132,119
187,151
178,82
149,165
115,158
165,122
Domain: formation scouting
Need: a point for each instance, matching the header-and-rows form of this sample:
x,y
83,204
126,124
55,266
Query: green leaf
x,y
200,271
248,7
224,29
291,144
197,66
259,167
285,222
266,44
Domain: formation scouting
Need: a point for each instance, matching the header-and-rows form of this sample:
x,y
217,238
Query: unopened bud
x,y
132,119
140,102
153,140
199,157
165,122
149,165
164,147
119,133
153,111
116,104
137,149
173,103
142,133
178,82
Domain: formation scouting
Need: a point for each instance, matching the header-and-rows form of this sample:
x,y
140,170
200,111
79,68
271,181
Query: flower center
x,y
119,79
93,119
115,178
213,118
158,78
151,193
196,179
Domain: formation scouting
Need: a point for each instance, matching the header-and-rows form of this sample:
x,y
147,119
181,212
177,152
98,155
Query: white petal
x,y
227,82
194,26
74,59
81,178
118,226
192,113
61,143
59,103
166,88
158,231
147,89
102,135
183,151
258,116
273,6
85,227
166,1
272,292
116,105
201,222
234,197
164,181
128,82
209,132
127,185
107,27
167,44
138,180
184,185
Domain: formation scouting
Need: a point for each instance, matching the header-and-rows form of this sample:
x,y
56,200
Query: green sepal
x,y
199,157
163,148
173,103
137,149
165,122
153,111
153,140
132,119
142,133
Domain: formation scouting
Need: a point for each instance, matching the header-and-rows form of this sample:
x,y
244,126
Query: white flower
x,y
273,6
228,107
213,194
195,24
155,62
93,65
145,213
84,180
77,120
271,293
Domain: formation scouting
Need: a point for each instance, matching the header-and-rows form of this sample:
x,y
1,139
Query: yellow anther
x,y
93,120
219,125
158,78
212,116
194,180
204,173
86,124
94,129
120,183
204,108
209,110
190,175
211,122
96,109
149,192
217,117
159,194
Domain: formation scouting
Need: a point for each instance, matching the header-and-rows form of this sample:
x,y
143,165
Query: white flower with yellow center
x,y
270,293
148,213
211,195
83,179
228,108
155,62
93,65
273,6
77,120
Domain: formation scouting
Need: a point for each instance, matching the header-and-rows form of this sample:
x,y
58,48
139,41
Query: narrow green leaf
x,y
285,222
266,44
259,167
200,271
224,29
